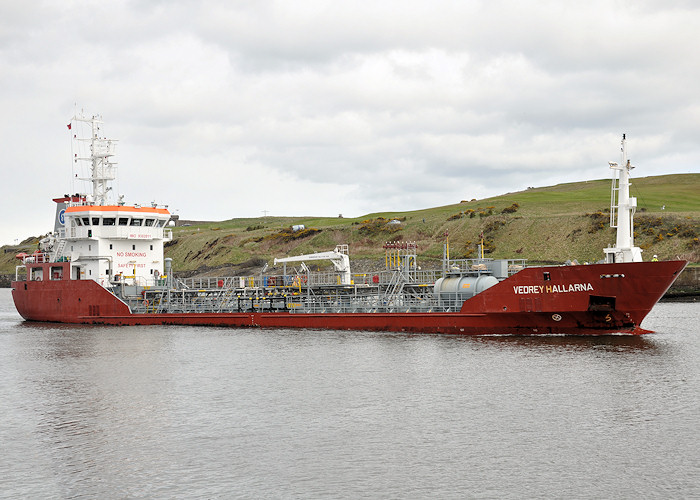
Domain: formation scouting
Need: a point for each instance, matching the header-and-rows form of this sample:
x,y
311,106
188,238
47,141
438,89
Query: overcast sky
x,y
227,109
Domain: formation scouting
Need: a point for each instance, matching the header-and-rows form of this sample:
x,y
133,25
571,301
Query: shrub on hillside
x,y
598,220
511,209
288,234
380,225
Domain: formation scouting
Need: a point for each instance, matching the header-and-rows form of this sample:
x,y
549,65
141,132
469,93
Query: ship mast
x,y
622,209
102,169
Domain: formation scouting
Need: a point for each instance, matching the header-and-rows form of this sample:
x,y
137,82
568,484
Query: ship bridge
x,y
110,242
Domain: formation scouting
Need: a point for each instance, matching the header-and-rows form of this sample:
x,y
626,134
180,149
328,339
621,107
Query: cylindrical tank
x,y
463,287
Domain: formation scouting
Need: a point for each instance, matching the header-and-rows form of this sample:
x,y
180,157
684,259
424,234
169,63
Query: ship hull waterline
x,y
519,305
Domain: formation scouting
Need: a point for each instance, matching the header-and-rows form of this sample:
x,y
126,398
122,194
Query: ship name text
x,y
572,287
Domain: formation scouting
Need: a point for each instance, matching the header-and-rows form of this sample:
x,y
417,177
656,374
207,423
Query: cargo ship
x,y
104,264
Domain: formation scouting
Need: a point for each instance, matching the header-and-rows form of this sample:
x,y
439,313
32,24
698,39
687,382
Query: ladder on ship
x,y
614,195
225,300
58,253
394,289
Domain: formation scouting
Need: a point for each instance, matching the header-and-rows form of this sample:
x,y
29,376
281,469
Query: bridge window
x,y
95,221
149,222
136,222
86,221
123,221
109,221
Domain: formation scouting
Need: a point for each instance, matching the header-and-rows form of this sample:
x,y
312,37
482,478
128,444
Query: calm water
x,y
189,412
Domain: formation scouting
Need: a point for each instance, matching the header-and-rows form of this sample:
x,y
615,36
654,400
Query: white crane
x,y
338,257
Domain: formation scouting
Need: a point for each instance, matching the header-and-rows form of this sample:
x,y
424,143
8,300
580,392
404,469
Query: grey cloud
x,y
347,107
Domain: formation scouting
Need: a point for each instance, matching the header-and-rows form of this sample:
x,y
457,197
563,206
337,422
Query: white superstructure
x,y
622,209
107,242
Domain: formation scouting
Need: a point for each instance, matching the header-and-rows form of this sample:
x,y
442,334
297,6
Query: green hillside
x,y
552,224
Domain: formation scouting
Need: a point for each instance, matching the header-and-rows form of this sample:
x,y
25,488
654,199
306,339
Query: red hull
x,y
582,300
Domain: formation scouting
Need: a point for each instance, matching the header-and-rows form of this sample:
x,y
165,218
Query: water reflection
x,y
618,343
88,395
61,338
191,412
569,343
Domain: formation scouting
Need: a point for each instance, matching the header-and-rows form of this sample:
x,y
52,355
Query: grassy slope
x,y
550,225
